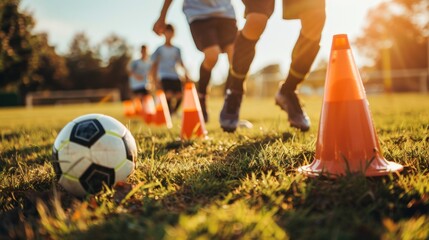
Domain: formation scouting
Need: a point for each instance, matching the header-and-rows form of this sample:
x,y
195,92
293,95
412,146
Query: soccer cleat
x,y
230,111
289,102
202,98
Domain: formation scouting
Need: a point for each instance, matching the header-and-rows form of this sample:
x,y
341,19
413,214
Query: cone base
x,y
317,169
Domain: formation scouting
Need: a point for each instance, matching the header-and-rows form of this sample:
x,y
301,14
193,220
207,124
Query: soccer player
x,y
139,72
165,59
214,28
312,16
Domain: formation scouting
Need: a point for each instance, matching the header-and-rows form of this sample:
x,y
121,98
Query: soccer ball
x,y
93,150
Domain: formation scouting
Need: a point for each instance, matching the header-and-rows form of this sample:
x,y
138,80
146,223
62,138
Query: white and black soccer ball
x,y
93,150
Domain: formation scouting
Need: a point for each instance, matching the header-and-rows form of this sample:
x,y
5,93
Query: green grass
x,y
241,185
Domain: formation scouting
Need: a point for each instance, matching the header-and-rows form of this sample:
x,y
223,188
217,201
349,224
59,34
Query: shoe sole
x,y
228,129
305,129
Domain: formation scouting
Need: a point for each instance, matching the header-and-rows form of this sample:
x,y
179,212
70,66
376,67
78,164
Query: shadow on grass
x,y
10,135
148,222
17,222
220,177
15,157
350,207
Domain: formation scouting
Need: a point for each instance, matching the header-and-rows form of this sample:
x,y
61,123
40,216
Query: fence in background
x,y
408,80
72,97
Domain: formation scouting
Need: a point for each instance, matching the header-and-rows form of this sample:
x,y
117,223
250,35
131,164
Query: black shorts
x,y
142,91
265,7
171,85
213,31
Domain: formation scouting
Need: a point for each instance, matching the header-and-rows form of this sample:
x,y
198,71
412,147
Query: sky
x,y
133,20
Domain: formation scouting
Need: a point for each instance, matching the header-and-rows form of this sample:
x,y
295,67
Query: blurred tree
x,y
118,54
84,66
103,66
18,57
27,61
52,71
400,28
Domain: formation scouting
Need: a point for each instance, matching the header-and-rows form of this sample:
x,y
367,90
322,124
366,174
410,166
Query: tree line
x,y
29,63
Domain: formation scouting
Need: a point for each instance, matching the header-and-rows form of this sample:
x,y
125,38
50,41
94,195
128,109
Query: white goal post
x,y
72,97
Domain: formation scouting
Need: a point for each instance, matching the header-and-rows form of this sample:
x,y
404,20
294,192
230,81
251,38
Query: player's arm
x,y
154,73
182,65
151,76
185,71
154,69
159,25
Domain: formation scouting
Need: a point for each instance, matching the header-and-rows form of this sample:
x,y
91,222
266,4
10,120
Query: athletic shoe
x,y
230,111
289,102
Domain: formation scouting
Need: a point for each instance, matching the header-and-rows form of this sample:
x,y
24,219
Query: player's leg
x,y
303,55
244,49
306,47
169,95
227,32
206,40
177,90
257,15
211,55
229,50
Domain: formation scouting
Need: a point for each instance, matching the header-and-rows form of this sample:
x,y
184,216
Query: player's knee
x,y
312,24
229,51
211,57
255,26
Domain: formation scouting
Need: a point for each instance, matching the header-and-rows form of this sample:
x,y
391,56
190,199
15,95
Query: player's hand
x,y
159,26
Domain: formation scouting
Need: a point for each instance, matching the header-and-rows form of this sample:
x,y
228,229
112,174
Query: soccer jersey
x,y
203,9
167,58
141,67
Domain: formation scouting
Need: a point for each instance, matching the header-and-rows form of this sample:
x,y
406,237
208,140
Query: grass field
x,y
231,186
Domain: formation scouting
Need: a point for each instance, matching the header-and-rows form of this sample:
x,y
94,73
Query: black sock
x,y
204,79
244,52
291,83
303,55
170,107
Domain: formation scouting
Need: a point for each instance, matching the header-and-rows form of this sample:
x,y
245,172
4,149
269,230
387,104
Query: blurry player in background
x,y
139,74
165,59
213,27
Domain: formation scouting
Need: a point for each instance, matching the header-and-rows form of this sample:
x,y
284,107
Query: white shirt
x,y
203,9
167,58
141,67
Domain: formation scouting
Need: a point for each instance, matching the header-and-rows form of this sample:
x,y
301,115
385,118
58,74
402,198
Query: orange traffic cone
x,y
347,141
162,115
128,108
192,118
148,110
138,107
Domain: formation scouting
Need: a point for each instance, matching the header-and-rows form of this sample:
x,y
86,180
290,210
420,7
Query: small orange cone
x,y
129,110
148,110
138,107
347,141
192,118
162,115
